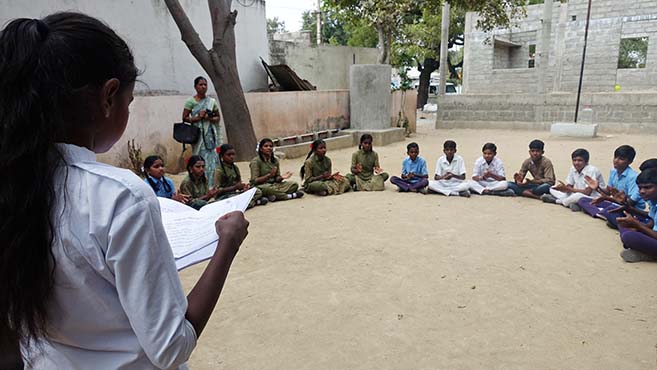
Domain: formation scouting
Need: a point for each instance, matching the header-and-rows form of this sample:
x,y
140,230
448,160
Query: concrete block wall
x,y
613,112
611,20
326,66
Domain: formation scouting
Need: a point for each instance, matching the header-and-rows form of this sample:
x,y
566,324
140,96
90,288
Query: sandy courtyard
x,y
408,281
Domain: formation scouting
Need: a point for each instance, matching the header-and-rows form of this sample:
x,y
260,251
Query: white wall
x,y
155,40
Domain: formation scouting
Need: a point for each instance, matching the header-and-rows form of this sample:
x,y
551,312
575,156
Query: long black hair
x,y
221,151
313,147
364,137
148,163
47,67
262,156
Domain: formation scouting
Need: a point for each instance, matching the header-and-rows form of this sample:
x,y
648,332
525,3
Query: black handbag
x,y
186,134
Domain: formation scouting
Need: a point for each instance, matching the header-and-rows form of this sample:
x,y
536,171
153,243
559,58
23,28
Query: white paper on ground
x,y
191,233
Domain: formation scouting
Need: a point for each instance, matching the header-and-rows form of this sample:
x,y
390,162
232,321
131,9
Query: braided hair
x,y
313,146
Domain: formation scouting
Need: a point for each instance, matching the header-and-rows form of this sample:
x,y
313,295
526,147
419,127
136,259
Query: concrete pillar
x,y
370,96
444,37
544,51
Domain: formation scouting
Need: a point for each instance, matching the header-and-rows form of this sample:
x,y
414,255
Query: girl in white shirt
x,y
87,276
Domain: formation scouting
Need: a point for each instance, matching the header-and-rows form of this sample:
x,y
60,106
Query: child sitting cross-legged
x,y
195,185
228,180
317,173
640,239
575,188
414,176
449,178
541,169
488,176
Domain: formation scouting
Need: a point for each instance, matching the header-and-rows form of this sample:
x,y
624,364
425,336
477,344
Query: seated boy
x,y
640,237
541,169
621,190
449,178
575,187
414,176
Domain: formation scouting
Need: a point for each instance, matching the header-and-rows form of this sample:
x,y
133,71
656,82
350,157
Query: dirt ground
x,y
396,281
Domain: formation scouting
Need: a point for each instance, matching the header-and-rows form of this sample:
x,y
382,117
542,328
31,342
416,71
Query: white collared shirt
x,y
117,301
457,166
481,166
576,179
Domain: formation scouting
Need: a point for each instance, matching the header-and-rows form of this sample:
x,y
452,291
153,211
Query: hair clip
x,y
218,149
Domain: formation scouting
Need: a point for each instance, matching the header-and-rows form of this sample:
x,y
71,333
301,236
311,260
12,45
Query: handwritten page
x,y
189,230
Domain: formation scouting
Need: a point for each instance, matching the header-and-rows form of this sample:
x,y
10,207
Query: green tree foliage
x,y
339,29
633,52
274,25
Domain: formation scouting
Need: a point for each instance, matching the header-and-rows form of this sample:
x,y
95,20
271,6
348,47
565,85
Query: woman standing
x,y
203,112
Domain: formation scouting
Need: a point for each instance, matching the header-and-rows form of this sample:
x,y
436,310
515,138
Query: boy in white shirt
x,y
449,178
575,188
488,176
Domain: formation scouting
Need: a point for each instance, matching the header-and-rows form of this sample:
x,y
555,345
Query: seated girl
x,y
366,173
228,180
161,185
266,174
195,186
317,174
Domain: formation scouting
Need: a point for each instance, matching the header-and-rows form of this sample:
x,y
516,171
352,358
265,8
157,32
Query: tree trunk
x,y
428,67
220,63
384,46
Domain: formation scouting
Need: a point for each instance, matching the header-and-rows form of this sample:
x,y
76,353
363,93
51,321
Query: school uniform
x,y
639,241
315,166
542,172
195,188
452,186
417,167
366,180
158,186
480,167
625,182
118,302
229,175
281,189
577,180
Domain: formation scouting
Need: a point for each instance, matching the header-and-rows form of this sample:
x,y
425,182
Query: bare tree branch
x,y
188,34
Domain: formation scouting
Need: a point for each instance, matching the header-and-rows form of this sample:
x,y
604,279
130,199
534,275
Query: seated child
x,y
414,175
449,178
575,188
266,175
366,173
640,239
488,176
161,185
195,186
541,169
317,173
621,189
228,180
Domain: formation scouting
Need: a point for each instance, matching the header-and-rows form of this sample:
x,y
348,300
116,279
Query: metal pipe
x,y
581,72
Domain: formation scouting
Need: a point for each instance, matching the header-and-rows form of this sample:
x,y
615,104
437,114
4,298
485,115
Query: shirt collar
x,y
75,154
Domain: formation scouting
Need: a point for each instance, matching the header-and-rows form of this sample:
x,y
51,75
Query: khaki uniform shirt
x,y
542,170
260,168
314,167
369,160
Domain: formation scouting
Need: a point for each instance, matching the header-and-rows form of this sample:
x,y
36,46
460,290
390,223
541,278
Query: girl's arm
x,y
233,228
